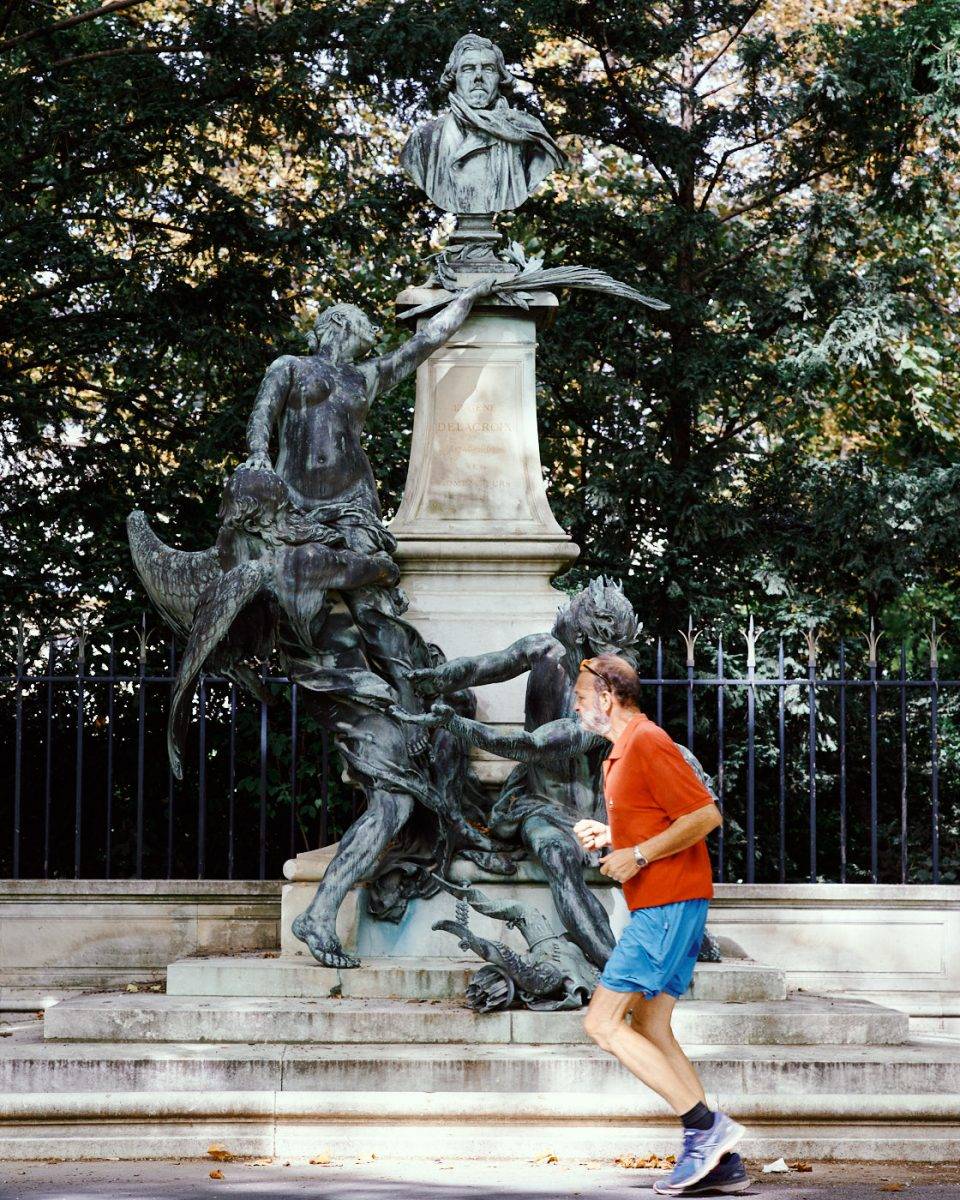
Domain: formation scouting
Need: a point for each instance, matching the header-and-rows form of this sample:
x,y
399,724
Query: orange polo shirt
x,y
647,785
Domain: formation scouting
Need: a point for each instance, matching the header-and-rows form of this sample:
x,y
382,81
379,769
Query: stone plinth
x,y
413,937
478,544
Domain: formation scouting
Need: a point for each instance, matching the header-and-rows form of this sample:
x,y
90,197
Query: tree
x,y
783,175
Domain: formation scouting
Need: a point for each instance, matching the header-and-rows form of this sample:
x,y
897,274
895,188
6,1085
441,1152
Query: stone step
x,y
159,1018
928,1065
737,981
503,1126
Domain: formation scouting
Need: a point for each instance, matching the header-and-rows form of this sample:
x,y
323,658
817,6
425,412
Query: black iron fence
x,y
845,769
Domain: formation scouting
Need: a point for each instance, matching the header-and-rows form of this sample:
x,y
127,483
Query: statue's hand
x,y
259,460
425,720
390,574
424,681
483,287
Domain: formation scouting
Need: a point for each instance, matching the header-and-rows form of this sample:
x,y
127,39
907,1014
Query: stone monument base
x,y
412,937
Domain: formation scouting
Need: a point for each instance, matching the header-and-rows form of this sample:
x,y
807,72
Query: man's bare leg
x,y
360,850
604,1023
651,1019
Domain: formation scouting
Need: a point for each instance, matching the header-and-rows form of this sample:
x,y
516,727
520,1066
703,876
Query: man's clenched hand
x,y
619,865
592,835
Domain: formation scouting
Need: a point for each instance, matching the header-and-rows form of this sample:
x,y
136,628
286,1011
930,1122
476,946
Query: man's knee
x,y
601,1028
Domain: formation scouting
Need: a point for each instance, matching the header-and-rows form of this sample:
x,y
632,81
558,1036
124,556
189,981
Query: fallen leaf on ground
x,y
546,1157
216,1174
259,1162
219,1153
132,987
893,1187
777,1167
646,1162
271,954
800,1165
321,1160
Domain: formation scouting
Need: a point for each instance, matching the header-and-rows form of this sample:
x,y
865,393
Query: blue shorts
x,y
658,950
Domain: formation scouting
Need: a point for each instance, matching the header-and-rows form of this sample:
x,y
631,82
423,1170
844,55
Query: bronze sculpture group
x,y
302,568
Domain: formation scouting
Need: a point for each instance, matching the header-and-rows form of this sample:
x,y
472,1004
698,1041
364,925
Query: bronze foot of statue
x,y
322,944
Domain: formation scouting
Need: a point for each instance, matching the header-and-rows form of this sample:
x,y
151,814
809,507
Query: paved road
x,y
440,1180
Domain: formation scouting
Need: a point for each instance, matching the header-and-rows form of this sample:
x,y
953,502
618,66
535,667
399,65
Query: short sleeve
x,y
673,782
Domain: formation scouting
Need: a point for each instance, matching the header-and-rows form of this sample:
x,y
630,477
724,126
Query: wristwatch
x,y
638,858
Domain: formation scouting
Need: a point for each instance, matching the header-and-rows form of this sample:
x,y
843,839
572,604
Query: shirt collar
x,y
618,747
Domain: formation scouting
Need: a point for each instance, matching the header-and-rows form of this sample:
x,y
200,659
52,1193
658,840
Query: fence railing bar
x,y
262,866
18,756
874,780
720,759
751,755
782,770
658,681
141,749
48,768
903,764
78,760
812,748
729,681
232,787
934,766
842,752
108,838
170,780
202,780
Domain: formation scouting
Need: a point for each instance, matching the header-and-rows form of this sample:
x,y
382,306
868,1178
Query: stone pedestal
x,y
478,544
413,938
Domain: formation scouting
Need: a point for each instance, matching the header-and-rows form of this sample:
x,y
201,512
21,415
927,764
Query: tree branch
x,y
728,154
121,50
799,181
6,12
641,137
69,22
750,14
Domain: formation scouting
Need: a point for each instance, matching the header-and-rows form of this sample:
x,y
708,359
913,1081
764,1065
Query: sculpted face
x,y
477,78
349,335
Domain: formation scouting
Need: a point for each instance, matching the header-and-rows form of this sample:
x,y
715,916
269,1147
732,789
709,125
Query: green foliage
x,y
184,182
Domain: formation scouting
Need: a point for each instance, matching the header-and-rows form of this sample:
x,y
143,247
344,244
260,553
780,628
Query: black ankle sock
x,y
699,1117
726,1157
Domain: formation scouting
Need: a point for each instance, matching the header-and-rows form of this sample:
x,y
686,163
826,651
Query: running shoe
x,y
703,1149
727,1178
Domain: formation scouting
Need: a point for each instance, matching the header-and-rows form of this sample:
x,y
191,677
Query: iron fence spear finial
x,y
750,636
690,639
813,644
873,640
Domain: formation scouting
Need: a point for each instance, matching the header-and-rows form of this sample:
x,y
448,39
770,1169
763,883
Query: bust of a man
x,y
482,156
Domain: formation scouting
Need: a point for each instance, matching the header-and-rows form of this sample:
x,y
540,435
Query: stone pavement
x,y
441,1180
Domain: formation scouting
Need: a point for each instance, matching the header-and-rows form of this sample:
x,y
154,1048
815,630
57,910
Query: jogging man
x,y
660,814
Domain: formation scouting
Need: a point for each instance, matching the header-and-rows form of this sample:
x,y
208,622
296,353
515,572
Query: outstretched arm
x,y
399,363
554,740
267,407
494,667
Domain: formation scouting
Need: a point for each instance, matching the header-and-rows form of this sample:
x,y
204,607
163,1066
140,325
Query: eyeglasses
x,y
585,666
